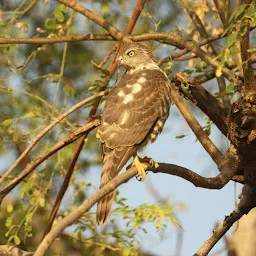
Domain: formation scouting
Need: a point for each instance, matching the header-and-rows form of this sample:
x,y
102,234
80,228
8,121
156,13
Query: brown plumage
x,y
134,114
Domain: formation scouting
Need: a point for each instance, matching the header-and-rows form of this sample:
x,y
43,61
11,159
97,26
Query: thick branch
x,y
248,91
93,16
205,101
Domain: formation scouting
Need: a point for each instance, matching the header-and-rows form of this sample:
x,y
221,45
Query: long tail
x,y
113,162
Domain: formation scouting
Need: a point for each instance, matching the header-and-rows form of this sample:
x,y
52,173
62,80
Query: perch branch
x,y
196,179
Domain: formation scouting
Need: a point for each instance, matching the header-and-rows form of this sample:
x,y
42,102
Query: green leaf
x,y
63,8
9,208
50,23
58,14
16,240
251,50
180,136
8,222
231,40
7,122
218,71
105,72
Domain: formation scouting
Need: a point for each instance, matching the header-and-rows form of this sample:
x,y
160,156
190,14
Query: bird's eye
x,y
131,53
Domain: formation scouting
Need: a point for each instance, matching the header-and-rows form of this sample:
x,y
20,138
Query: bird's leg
x,y
151,162
141,168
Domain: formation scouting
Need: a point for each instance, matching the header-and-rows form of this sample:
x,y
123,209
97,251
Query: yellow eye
x,y
131,53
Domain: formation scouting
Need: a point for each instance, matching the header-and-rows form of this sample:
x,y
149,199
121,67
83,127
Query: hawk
x,y
134,114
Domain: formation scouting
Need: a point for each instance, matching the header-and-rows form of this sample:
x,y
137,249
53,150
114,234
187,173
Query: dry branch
x,y
57,39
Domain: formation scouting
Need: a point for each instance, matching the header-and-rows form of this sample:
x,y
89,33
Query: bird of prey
x,y
134,114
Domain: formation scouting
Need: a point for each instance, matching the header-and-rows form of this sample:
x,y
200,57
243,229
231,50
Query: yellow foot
x,y
141,168
151,162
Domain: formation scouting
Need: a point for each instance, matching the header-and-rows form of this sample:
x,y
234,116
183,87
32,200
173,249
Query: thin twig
x,y
49,152
47,129
53,39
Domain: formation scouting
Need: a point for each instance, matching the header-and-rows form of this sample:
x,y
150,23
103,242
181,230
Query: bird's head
x,y
135,55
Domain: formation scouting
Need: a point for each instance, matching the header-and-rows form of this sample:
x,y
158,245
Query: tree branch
x,y
182,172
47,129
31,166
205,141
55,39
73,4
205,101
219,232
247,90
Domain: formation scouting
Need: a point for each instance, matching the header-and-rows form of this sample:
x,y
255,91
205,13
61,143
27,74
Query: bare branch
x,y
59,39
73,4
223,10
219,232
31,166
205,101
208,145
47,129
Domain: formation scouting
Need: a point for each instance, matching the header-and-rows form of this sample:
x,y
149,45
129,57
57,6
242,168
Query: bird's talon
x,y
153,163
141,168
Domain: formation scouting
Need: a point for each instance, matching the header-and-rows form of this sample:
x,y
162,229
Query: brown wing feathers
x,y
135,112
